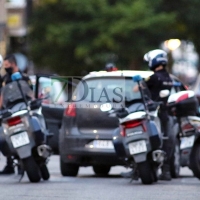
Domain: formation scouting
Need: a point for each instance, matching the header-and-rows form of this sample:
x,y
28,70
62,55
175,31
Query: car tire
x,y
68,169
101,169
146,173
195,160
175,162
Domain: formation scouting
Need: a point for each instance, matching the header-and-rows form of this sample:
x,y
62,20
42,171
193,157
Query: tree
x,y
187,22
72,35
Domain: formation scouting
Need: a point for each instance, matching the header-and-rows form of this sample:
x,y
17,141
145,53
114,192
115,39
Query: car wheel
x,y
175,161
195,160
101,169
68,169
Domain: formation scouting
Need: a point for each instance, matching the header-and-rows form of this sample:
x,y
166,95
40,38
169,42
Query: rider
x,y
10,66
110,67
160,80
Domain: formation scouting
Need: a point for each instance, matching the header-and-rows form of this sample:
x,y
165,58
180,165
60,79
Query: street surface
x,y
87,186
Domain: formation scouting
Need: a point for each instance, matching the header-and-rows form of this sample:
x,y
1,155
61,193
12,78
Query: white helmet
x,y
1,60
155,58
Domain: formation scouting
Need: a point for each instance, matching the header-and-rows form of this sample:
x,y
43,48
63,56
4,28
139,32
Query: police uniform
x,y
161,80
7,79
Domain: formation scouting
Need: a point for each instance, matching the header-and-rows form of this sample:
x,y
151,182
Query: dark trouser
x,y
9,161
169,135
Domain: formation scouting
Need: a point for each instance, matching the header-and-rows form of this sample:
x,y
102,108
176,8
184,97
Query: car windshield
x,y
11,93
106,89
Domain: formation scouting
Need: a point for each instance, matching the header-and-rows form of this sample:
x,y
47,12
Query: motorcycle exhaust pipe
x,y
44,150
158,156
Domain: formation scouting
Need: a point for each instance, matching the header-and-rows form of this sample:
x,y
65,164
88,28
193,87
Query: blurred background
x,y
74,37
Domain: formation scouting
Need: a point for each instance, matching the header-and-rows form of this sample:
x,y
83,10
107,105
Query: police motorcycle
x,y
24,135
139,139
184,106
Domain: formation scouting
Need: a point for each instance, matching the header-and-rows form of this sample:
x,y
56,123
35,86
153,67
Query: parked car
x,y
86,132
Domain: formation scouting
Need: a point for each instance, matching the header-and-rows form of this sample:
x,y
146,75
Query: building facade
x,y
3,27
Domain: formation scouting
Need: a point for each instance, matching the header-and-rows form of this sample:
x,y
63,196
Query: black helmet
x,y
110,67
155,58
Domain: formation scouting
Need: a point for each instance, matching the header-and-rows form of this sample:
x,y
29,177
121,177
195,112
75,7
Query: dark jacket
x,y
7,79
160,80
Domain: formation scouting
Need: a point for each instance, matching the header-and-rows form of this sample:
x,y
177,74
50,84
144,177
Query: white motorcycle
x,y
139,139
184,105
24,135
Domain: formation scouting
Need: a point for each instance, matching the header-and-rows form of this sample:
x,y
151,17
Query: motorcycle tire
x,y
146,173
44,172
175,162
32,169
195,160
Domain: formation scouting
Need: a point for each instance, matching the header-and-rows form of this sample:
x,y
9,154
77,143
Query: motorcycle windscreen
x,y
11,93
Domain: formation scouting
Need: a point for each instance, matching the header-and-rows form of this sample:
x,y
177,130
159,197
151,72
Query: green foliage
x,y
187,19
72,35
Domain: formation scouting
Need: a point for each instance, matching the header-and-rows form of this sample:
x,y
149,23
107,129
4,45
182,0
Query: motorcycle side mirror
x,y
164,93
106,107
137,78
16,76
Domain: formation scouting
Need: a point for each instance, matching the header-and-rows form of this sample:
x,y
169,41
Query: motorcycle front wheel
x,y
32,169
146,172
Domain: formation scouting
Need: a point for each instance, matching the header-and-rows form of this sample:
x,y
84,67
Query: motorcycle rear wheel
x,y
146,173
195,160
32,169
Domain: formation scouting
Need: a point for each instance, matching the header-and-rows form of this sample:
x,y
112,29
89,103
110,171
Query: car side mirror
x,y
164,93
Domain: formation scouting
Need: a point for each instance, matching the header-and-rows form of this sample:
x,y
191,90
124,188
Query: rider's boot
x,y
165,175
9,168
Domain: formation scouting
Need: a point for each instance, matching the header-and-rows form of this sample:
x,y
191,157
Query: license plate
x,y
103,144
187,142
20,139
137,147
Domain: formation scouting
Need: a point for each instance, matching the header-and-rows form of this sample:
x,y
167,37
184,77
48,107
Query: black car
x,y
86,133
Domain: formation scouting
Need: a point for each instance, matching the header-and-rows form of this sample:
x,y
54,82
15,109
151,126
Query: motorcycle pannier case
x,y
183,103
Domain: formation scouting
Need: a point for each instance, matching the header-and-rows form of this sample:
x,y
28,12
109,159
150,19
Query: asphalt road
x,y
87,186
